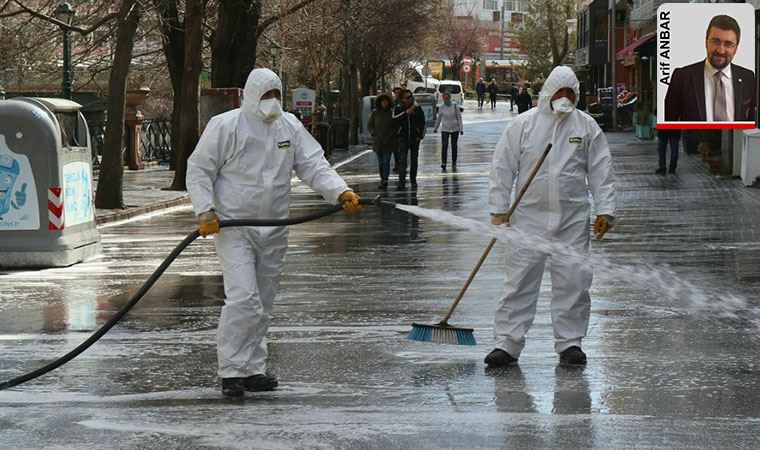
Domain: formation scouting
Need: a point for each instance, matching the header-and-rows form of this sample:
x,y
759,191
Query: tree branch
x,y
266,23
82,31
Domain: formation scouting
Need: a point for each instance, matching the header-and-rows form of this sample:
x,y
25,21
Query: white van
x,y
419,83
455,89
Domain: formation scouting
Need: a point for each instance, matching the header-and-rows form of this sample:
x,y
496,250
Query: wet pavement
x,y
660,375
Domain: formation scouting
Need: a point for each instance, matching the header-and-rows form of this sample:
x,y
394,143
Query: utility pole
x,y
501,44
613,56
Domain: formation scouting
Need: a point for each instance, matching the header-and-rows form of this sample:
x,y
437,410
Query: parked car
x,y
454,88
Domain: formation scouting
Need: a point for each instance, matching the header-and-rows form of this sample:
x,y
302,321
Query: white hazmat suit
x,y
555,206
242,168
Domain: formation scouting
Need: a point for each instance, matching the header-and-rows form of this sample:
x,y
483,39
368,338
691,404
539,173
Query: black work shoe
x,y
260,382
672,171
573,356
400,187
233,387
499,358
383,186
443,167
660,171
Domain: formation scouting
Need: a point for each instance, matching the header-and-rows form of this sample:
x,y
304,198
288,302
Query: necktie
x,y
719,102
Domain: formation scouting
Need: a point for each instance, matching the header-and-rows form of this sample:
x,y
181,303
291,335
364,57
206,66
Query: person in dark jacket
x,y
480,90
523,100
396,101
410,129
383,130
513,92
493,89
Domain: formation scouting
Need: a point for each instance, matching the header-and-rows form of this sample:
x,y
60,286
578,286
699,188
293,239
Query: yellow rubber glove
x,y
350,202
498,219
602,225
208,223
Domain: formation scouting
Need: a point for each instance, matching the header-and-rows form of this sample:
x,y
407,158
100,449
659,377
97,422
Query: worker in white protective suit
x,y
241,169
555,206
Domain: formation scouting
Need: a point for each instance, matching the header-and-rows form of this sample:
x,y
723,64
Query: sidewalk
x,y
146,191
692,206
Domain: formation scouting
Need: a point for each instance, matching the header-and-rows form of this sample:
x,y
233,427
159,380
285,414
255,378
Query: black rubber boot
x,y
499,358
260,382
233,387
573,356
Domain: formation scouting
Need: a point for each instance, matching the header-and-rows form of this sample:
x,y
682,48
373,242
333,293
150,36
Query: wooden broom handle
x,y
493,240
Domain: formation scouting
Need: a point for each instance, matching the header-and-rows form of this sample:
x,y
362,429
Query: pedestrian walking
x,y
493,90
383,130
524,100
410,130
449,120
513,92
665,137
241,169
480,90
396,102
556,207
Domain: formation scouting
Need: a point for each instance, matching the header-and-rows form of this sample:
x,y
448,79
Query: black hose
x,y
158,272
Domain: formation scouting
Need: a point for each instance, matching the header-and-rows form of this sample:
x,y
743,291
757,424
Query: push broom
x,y
444,333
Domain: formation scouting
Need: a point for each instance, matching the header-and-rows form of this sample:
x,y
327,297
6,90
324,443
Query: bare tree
x,y
188,119
460,37
544,35
240,24
109,193
318,45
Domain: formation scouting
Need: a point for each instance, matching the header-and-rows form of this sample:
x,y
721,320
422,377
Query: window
x,y
451,88
490,4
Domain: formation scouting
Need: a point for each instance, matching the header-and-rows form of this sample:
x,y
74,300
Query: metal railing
x,y
155,140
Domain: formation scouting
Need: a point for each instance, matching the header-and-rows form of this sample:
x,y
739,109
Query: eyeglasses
x,y
715,42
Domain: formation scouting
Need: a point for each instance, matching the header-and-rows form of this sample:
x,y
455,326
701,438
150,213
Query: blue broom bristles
x,y
422,334
466,337
442,335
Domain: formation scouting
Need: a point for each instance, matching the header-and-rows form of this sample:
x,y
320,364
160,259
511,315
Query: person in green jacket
x,y
383,131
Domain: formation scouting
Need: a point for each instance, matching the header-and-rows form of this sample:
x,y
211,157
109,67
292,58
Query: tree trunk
x,y
233,48
173,37
188,115
109,193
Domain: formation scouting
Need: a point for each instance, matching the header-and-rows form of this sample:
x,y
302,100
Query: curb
x,y
133,212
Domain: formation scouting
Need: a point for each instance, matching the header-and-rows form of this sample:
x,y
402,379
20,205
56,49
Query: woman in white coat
x,y
556,207
449,120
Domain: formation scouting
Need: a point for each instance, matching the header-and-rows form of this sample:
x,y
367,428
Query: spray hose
x,y
161,269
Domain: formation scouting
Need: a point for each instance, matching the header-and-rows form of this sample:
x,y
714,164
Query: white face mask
x,y
271,108
562,105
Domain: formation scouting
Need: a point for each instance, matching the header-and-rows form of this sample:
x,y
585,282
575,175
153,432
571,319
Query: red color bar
x,y
706,126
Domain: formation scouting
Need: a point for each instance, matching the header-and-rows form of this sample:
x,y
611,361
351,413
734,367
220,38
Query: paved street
x,y
661,373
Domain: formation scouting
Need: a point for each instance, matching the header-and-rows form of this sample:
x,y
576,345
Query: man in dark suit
x,y
713,90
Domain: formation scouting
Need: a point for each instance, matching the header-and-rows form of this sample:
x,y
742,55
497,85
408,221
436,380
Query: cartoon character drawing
x,y
9,172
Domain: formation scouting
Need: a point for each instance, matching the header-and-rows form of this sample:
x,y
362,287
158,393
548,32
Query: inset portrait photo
x,y
706,66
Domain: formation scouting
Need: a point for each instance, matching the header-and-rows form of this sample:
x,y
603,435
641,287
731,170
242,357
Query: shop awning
x,y
630,48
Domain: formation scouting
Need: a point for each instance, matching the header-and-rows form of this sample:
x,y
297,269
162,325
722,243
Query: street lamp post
x,y
273,49
65,14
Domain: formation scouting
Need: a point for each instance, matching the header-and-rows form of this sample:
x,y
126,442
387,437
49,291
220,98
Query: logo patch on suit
x,y
576,140
283,145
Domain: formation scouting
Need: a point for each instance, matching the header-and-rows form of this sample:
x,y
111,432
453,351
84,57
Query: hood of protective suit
x,y
259,82
560,77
